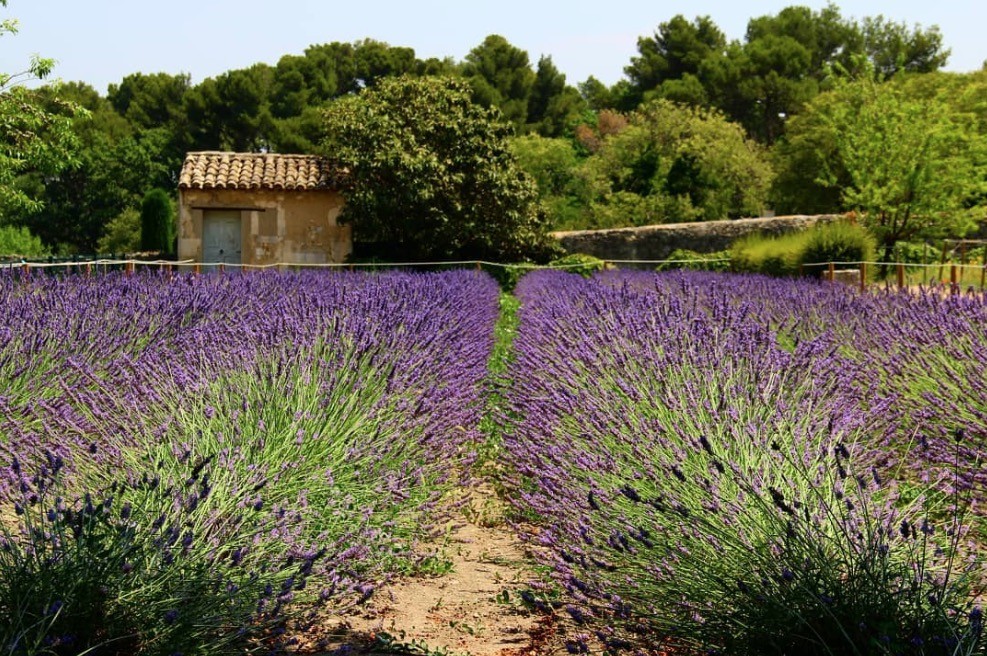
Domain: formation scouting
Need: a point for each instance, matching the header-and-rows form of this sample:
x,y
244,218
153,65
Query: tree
x,y
809,174
150,101
912,162
677,49
232,111
596,94
20,242
554,165
432,171
552,105
678,163
501,76
117,164
122,234
34,135
893,48
157,222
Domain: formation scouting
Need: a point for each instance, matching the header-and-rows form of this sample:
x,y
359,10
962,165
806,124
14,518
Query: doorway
x,y
221,237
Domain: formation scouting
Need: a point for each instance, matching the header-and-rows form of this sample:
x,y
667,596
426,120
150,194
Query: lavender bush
x,y
714,462
267,418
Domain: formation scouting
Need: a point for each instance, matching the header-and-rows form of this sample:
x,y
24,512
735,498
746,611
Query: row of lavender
x,y
746,465
180,455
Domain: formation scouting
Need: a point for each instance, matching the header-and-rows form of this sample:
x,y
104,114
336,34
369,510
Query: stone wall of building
x,y
657,242
276,226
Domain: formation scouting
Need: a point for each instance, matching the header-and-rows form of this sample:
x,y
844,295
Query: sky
x,y
101,41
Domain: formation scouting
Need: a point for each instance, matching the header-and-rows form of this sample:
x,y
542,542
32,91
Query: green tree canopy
x,y
781,64
35,131
677,163
501,76
910,165
552,105
432,171
157,222
678,50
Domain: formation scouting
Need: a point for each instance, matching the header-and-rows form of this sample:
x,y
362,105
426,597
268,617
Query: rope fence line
x,y
860,269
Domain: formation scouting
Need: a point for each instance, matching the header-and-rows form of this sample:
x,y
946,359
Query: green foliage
x,y
676,163
231,111
507,275
122,234
116,166
781,64
20,242
157,222
500,75
893,48
581,263
683,258
552,105
770,255
35,135
130,569
432,171
912,162
915,253
678,51
788,254
908,153
837,242
554,165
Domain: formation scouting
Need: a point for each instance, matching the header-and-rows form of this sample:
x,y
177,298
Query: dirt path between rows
x,y
474,609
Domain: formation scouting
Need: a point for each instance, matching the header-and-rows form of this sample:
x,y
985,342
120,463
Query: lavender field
x,y
704,463
744,465
184,459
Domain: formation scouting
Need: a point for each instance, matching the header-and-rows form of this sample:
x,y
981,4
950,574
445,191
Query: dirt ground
x,y
474,609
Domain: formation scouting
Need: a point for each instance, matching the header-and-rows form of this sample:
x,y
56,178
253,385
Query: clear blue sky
x,y
101,41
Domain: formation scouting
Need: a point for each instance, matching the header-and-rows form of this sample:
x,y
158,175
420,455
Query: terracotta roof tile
x,y
224,170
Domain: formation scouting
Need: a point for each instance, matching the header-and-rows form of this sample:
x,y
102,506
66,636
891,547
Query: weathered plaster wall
x,y
276,226
657,242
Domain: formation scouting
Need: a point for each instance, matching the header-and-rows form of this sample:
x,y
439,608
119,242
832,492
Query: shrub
x,y
584,265
910,252
683,258
122,234
836,242
151,566
157,222
774,256
788,254
20,241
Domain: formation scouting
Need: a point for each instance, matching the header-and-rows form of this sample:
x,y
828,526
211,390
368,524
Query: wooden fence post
x,y
863,276
831,272
901,275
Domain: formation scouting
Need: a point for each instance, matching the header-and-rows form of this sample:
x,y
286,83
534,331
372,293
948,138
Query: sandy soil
x,y
473,609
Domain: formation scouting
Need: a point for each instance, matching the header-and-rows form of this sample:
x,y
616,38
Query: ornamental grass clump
x,y
707,471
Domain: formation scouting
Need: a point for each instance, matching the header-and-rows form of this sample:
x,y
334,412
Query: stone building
x,y
260,208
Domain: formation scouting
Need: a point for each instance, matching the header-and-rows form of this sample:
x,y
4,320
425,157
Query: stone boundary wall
x,y
658,241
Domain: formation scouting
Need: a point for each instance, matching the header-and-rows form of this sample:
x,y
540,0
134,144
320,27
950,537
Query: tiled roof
x,y
223,170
